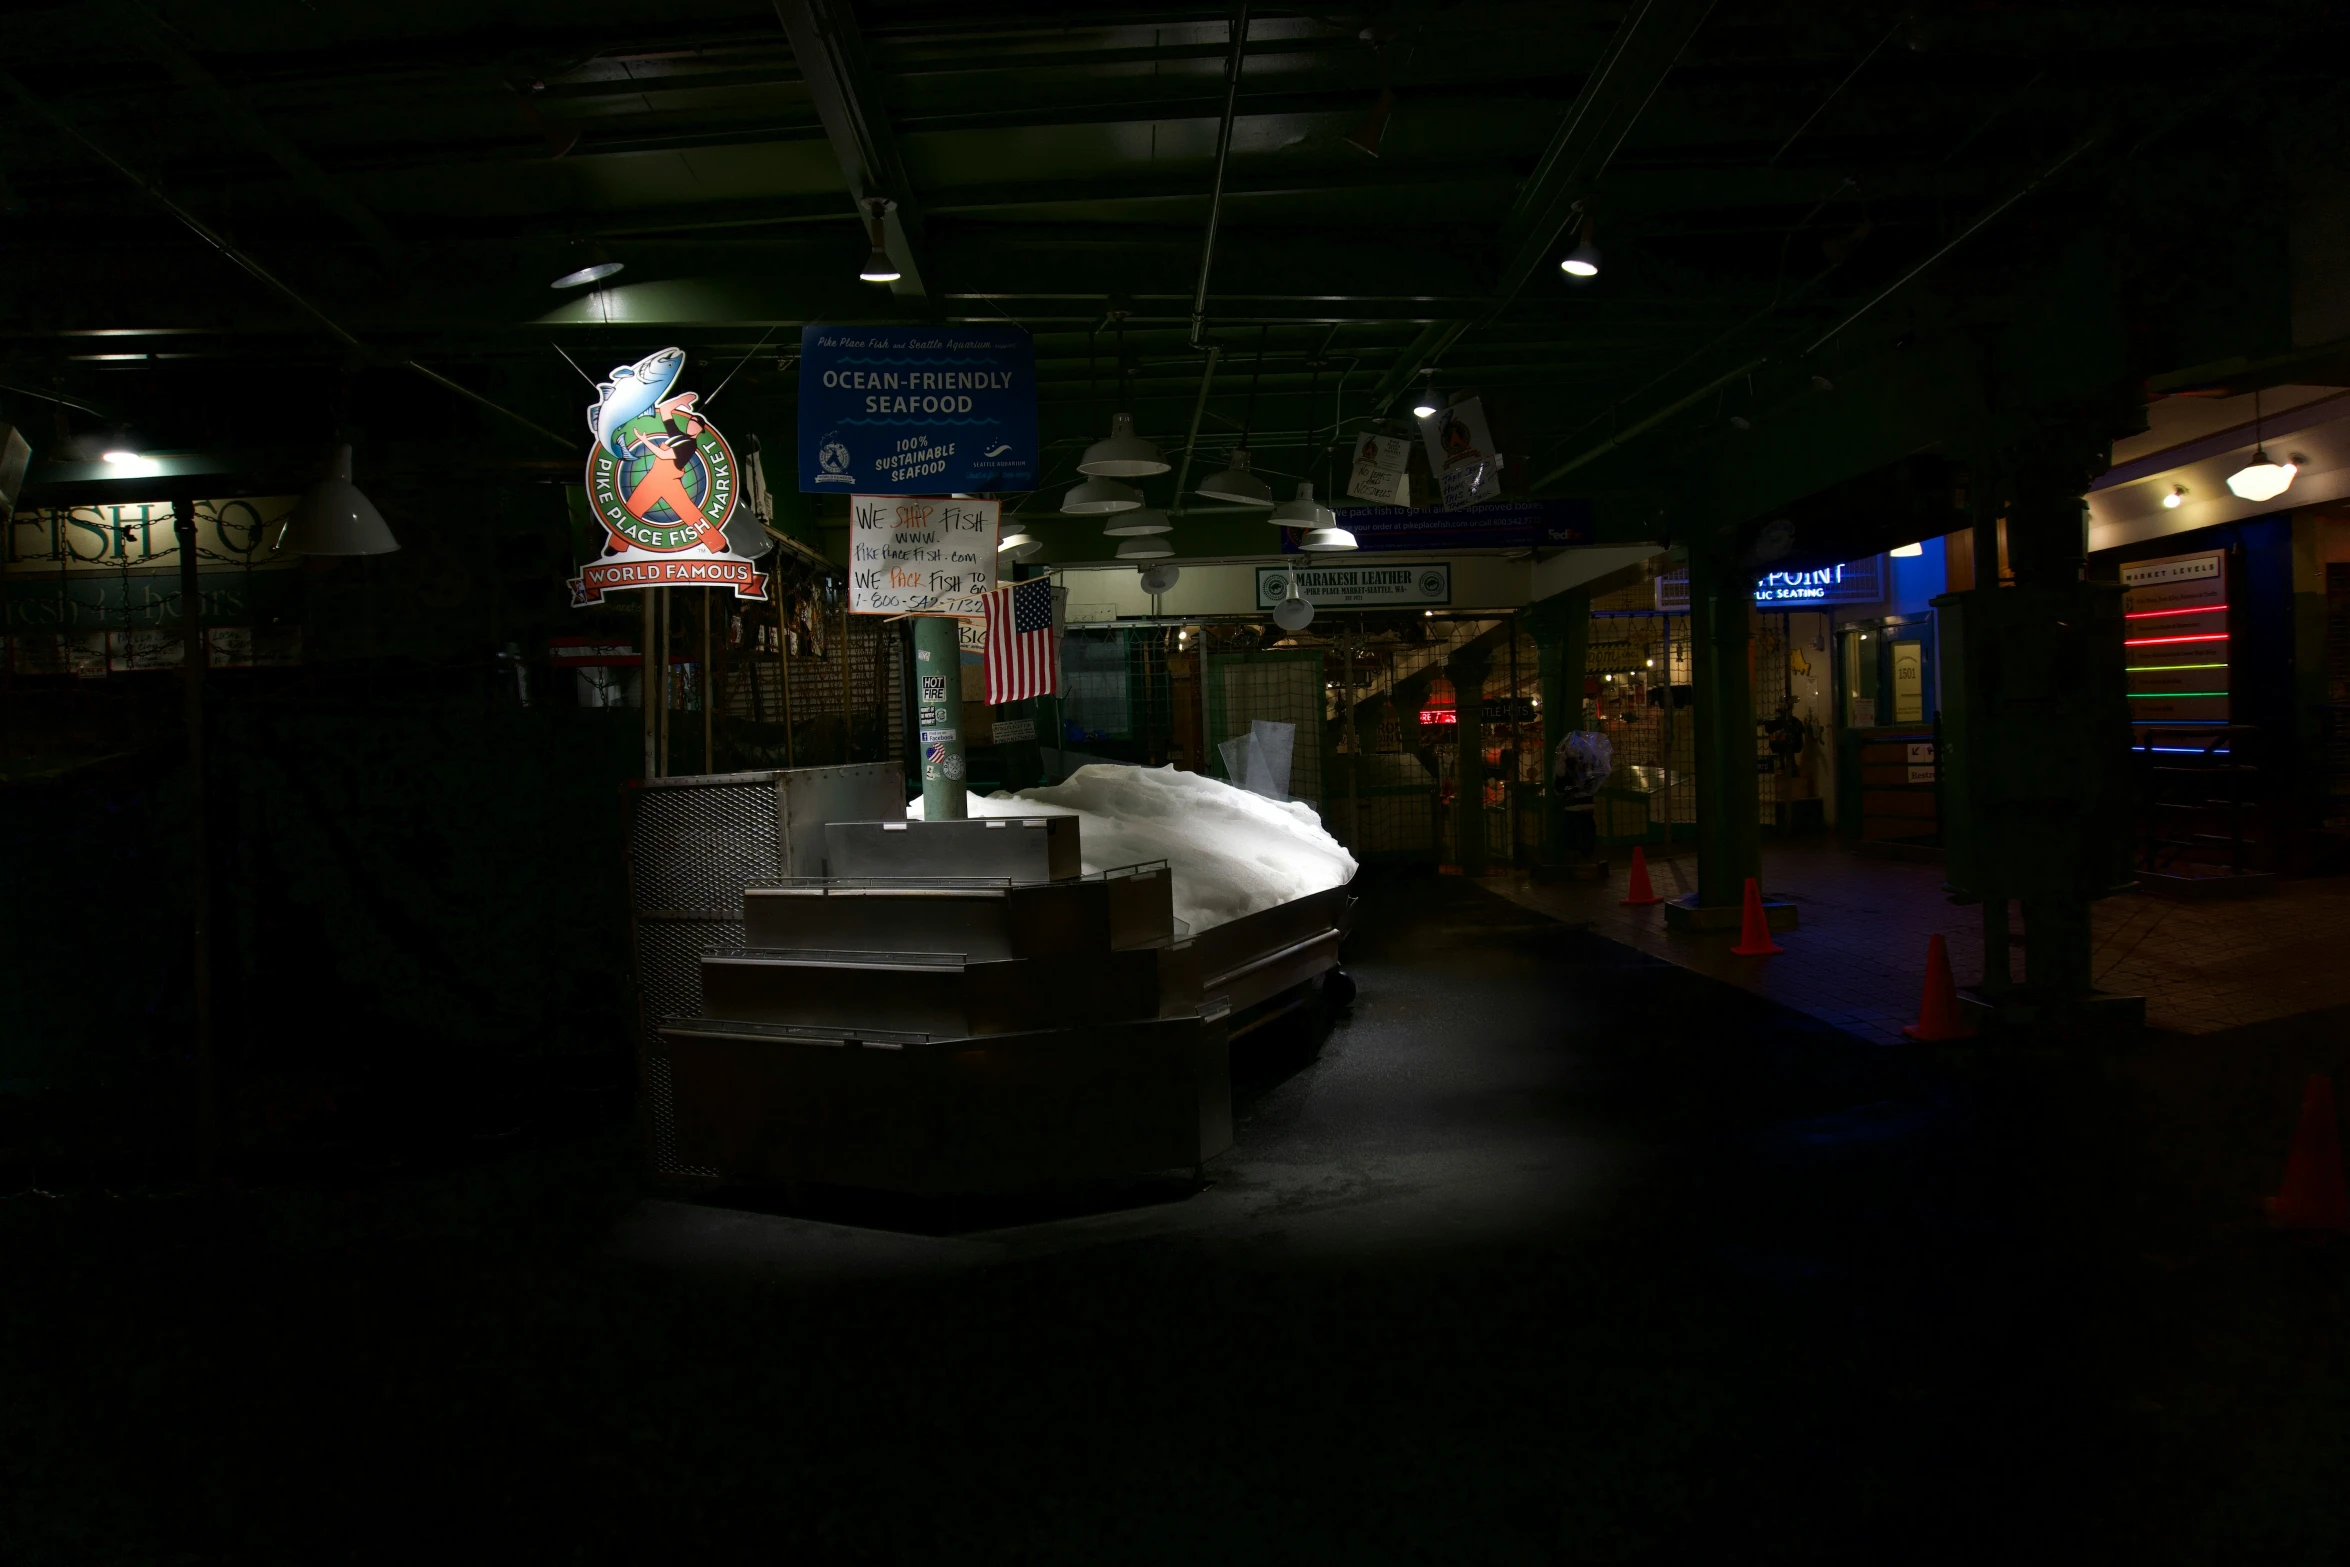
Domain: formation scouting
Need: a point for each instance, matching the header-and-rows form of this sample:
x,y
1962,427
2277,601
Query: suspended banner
x,y
662,484
916,410
913,556
1378,474
1356,587
1496,525
1461,454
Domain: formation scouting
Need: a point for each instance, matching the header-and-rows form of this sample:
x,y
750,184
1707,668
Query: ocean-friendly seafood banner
x,y
927,410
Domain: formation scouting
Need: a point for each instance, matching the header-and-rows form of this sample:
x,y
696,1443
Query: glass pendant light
x,y
2263,478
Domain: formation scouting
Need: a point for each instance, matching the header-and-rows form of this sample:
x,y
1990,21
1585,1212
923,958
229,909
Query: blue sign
x,y
916,410
1492,525
1854,582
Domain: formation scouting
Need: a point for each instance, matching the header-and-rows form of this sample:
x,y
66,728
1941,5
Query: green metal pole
x,y
938,675
1729,836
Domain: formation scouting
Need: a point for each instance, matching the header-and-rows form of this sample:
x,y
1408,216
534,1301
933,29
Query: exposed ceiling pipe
x,y
1816,344
1207,377
252,267
1207,254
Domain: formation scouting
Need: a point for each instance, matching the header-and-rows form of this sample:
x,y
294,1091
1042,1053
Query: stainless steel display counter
x,y
935,1034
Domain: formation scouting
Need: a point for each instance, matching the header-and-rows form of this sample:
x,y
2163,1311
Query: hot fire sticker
x,y
662,483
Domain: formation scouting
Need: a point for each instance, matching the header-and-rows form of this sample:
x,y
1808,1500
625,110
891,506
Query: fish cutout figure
x,y
634,391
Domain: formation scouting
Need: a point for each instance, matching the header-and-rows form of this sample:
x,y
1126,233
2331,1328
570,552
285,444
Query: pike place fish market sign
x,y
1357,586
662,484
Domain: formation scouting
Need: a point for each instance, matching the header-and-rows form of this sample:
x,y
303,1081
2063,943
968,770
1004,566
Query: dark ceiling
x,y
1756,175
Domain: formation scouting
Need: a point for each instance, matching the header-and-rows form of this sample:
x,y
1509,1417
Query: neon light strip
x,y
2155,614
2145,669
2216,636
2184,750
2152,696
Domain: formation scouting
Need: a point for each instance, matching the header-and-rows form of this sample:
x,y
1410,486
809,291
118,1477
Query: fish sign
x,y
662,483
909,556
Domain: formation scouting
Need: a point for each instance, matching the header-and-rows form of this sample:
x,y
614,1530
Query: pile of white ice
x,y
1231,852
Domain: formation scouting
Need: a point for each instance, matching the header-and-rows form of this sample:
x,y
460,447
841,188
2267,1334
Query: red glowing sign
x,y
1439,715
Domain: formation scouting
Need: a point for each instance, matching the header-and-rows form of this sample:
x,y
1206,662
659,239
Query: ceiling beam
x,y
846,91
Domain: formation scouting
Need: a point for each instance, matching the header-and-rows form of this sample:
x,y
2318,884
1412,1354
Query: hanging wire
x,y
1125,389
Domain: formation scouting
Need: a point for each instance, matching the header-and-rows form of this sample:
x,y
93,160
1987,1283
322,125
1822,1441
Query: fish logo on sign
x,y
833,457
663,485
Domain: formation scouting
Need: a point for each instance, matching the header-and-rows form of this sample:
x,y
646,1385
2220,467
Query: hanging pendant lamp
x,y
2263,478
334,518
1303,511
1100,495
1018,545
1237,484
1293,613
1328,541
1137,523
1155,547
1123,455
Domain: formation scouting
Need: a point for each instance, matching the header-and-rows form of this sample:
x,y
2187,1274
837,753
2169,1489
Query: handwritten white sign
x,y
917,555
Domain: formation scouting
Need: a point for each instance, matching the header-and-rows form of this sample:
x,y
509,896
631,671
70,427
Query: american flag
x,y
1020,641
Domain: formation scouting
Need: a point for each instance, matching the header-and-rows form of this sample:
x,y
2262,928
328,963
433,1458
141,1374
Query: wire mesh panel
x,y
1285,686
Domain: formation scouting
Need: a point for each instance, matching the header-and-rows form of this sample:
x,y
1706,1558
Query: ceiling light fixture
x,y
1293,613
1095,496
2264,479
878,268
1583,260
1155,547
1019,544
1237,484
1908,551
1122,454
586,263
2178,493
1425,408
1327,541
1303,511
1137,523
334,518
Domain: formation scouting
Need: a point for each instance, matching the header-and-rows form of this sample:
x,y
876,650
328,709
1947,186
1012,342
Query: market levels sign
x,y
1356,586
916,410
662,484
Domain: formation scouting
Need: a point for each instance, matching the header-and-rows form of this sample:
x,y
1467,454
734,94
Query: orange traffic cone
x,y
1938,1008
2312,1196
1639,894
1754,931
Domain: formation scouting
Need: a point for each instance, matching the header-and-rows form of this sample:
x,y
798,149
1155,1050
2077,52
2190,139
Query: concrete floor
x,y
1858,958
1552,1251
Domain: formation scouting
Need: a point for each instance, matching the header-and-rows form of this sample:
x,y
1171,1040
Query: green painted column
x,y
1467,674
1729,836
1561,629
938,715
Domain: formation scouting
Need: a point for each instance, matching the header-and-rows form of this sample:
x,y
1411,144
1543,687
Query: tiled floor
x,y
1859,958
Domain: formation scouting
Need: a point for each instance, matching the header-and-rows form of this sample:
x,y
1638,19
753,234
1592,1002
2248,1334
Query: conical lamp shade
x,y
1018,546
1124,455
1327,541
1237,485
1304,511
335,519
1100,495
1136,523
1155,547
